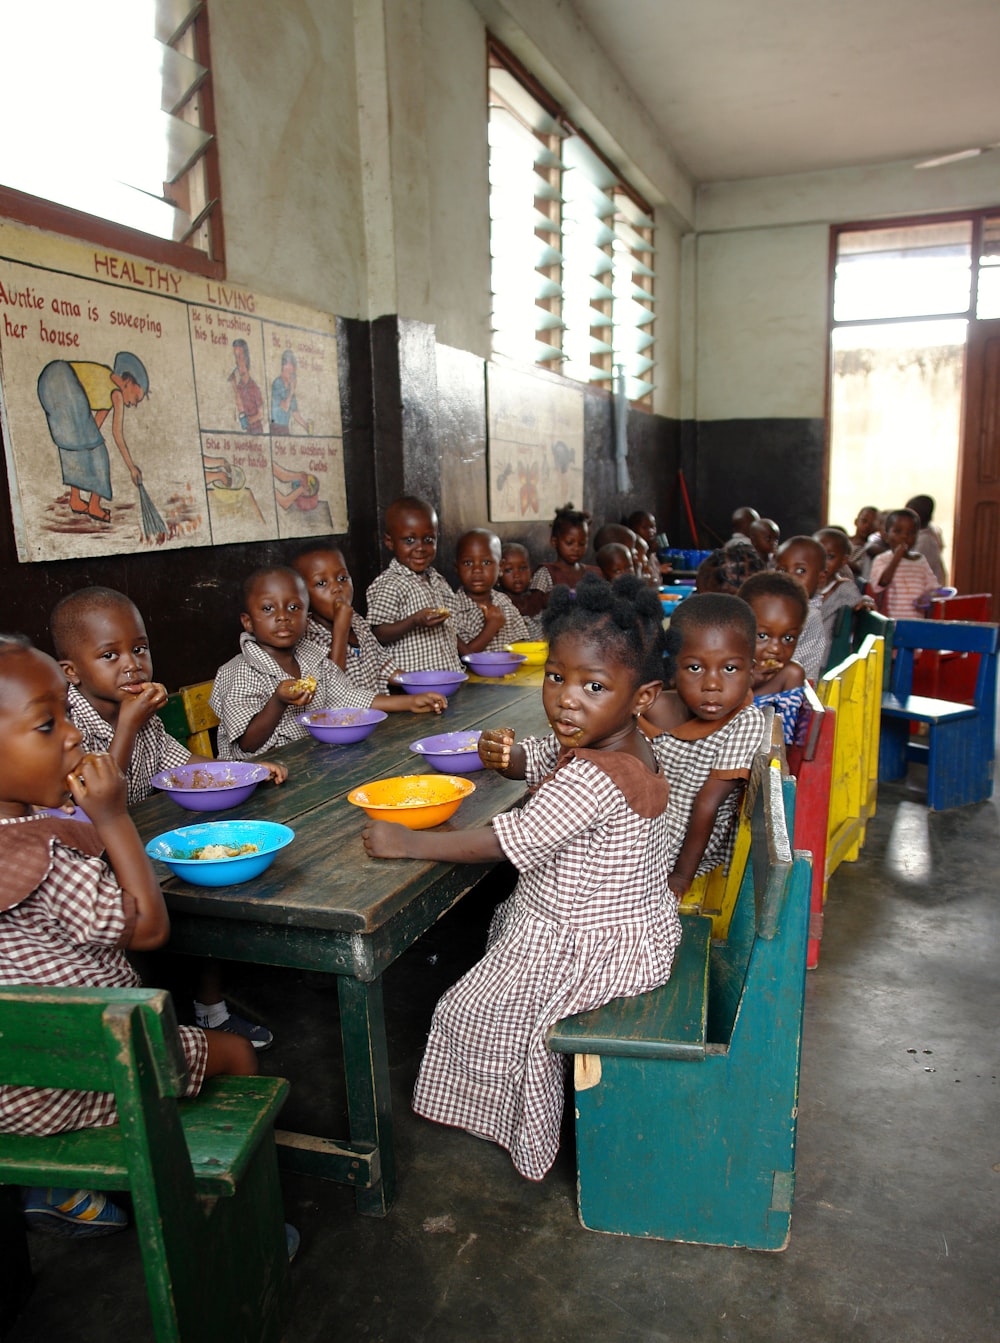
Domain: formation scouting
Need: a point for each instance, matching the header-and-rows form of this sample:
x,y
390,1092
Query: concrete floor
x,y
894,1228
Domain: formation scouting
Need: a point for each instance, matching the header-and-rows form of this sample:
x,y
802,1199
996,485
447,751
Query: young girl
x,y
515,579
591,917
67,914
707,730
780,607
570,534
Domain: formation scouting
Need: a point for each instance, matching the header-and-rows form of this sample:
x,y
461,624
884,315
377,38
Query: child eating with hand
x,y
901,577
361,670
485,620
74,896
515,579
780,607
410,604
591,917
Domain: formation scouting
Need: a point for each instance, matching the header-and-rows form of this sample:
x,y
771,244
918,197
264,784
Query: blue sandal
x,y
72,1212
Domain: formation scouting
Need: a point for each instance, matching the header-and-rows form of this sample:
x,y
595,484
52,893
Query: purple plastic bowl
x,y
423,682
451,752
210,785
77,814
494,664
342,726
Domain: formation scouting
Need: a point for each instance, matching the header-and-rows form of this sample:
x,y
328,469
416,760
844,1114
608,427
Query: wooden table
x,y
324,905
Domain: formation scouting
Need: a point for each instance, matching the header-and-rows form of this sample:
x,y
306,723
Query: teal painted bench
x,y
687,1097
202,1173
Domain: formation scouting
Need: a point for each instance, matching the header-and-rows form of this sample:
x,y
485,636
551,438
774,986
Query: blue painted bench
x,y
687,1097
202,1173
959,747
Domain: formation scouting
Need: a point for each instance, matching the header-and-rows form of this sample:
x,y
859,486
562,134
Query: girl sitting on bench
x,y
591,918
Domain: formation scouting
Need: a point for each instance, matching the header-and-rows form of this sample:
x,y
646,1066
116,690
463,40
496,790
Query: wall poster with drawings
x,y
535,445
144,407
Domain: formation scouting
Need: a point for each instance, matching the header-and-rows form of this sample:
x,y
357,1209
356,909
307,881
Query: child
x,y
365,669
644,526
841,589
278,672
725,570
707,731
570,532
101,643
67,915
591,917
410,604
740,523
764,537
515,579
901,577
866,542
805,559
780,607
614,559
930,538
485,620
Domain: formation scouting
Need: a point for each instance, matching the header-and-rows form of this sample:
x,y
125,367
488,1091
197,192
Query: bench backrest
x,y
963,606
871,622
840,640
958,636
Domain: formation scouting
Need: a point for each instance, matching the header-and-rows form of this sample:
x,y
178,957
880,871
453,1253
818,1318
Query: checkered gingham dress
x,y
469,620
368,667
63,920
590,919
154,748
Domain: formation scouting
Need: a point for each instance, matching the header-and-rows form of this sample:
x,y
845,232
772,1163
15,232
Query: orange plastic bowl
x,y
417,801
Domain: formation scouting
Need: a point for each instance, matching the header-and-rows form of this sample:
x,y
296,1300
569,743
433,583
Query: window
x,y
571,243
118,144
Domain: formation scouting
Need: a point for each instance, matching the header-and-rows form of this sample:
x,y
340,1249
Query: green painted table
x,y
324,905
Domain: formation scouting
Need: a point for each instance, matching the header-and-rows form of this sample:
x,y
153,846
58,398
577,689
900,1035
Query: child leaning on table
x,y
73,897
101,643
485,620
410,604
365,669
707,731
591,917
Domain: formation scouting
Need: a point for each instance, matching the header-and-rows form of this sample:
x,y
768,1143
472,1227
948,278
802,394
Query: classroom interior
x,y
354,171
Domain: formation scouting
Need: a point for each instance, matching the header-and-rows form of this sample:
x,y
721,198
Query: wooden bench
x,y
202,1173
951,674
812,765
687,1097
959,747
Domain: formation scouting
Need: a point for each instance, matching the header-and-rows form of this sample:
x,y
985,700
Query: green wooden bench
x,y
687,1097
202,1173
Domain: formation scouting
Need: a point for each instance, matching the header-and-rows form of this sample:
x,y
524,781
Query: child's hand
x,y
385,839
141,701
679,885
865,604
98,786
493,618
343,613
495,746
428,702
901,551
431,616
278,773
298,691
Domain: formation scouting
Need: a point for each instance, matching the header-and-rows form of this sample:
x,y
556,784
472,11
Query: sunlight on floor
x,y
908,854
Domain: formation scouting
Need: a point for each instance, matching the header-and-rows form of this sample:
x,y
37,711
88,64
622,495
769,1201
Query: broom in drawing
x,y
153,526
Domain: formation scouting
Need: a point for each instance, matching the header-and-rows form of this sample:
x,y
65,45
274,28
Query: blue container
x,y
174,848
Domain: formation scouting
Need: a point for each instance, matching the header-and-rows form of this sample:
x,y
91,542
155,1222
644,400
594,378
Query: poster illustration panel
x,y
535,445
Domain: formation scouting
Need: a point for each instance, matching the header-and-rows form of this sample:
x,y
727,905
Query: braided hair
x,y
624,617
567,517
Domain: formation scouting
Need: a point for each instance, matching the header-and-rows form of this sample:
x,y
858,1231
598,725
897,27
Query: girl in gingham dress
x,y
73,897
591,917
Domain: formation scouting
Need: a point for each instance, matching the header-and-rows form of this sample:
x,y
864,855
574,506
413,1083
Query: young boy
x,y
614,559
410,604
866,542
901,577
515,579
278,672
804,558
101,644
643,523
67,915
362,670
765,537
485,620
840,589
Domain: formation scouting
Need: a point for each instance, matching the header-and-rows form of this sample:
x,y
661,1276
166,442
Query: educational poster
x,y
149,408
535,445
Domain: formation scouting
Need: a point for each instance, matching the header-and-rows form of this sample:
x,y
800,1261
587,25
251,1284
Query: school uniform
x,y
399,592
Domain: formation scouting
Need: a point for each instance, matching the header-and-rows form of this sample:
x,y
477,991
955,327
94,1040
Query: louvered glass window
x,y
115,104
571,244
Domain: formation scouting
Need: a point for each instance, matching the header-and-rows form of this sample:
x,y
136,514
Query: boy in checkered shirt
x,y
410,606
486,620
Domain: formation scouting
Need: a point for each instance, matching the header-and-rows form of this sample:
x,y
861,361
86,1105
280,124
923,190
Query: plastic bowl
x,y
210,785
417,801
423,682
535,651
452,752
173,846
342,725
494,664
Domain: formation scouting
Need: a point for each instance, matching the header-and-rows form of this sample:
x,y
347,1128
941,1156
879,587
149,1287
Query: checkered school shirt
x,y
911,580
245,684
67,930
811,649
368,668
154,747
399,592
469,620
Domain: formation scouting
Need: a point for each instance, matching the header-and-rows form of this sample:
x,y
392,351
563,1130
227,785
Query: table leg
x,y
366,1066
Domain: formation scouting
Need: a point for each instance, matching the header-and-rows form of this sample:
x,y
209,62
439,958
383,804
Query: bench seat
x,y
925,710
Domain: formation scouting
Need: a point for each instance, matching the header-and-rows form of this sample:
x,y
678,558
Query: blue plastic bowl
x,y
342,726
174,846
424,682
452,752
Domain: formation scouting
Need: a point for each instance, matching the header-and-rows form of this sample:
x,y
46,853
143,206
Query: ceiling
x,y
754,88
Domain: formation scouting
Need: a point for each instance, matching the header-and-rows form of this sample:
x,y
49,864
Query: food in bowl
x,y
211,851
248,849
210,785
535,651
414,800
341,726
452,752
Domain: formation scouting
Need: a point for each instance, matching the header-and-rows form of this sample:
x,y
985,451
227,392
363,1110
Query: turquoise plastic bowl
x,y
173,846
